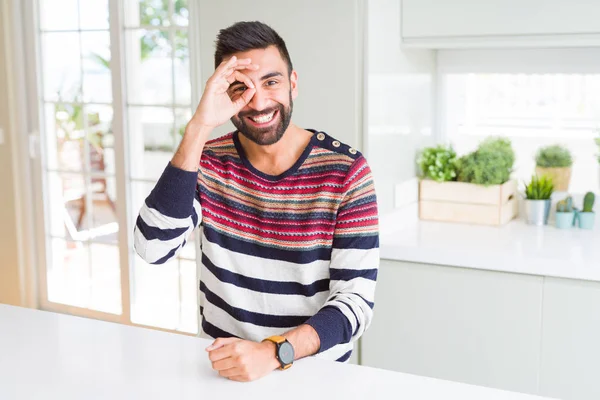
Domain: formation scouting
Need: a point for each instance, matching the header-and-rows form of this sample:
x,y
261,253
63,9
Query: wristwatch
x,y
284,351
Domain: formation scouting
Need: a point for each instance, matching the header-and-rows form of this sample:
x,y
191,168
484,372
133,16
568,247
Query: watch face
x,y
286,353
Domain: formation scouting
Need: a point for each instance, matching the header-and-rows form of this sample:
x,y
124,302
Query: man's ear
x,y
294,84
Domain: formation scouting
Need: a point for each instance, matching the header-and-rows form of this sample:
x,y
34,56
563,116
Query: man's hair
x,y
246,35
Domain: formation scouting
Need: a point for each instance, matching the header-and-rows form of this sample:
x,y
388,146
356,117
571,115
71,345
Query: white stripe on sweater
x,y
277,304
356,259
264,268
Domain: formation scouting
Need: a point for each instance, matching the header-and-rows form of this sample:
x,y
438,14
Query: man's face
x,y
266,117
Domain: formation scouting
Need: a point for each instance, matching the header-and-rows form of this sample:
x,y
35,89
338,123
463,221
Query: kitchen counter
x,y
54,356
515,247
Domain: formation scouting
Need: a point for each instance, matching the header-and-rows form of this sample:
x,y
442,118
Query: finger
x,y
238,378
220,342
244,99
233,61
221,353
237,67
240,77
224,364
224,65
231,373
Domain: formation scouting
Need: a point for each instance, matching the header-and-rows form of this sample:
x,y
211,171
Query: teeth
x,y
263,118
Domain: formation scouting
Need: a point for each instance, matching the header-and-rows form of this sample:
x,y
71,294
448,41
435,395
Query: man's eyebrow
x,y
270,75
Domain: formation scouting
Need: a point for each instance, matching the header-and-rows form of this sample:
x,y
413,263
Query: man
x,y
289,217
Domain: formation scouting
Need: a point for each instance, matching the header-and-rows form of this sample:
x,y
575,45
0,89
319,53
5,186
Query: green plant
x,y
438,163
155,13
588,202
555,156
490,164
540,188
565,205
501,146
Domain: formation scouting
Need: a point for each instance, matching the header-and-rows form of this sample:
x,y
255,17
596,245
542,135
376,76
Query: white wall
x,y
400,101
325,45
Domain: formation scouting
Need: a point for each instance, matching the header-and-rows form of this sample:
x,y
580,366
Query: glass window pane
x,y
183,87
86,276
181,16
93,14
155,294
100,138
65,194
96,67
533,111
182,117
105,227
64,136
139,192
151,141
147,13
62,66
69,273
149,67
106,278
59,15
189,296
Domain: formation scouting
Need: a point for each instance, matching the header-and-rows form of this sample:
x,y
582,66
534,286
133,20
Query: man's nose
x,y
260,100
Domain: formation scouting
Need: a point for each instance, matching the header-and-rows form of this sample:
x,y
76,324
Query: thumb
x,y
244,99
220,342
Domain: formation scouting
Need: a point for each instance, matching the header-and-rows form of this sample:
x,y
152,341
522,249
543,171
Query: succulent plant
x,y
565,205
588,202
540,188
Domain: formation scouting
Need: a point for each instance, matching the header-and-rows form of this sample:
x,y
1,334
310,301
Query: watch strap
x,y
278,340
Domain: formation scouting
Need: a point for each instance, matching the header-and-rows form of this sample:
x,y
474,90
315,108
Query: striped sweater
x,y
277,251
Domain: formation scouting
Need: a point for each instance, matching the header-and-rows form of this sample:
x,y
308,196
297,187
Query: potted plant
x,y
565,214
537,199
474,189
490,164
438,163
555,161
587,216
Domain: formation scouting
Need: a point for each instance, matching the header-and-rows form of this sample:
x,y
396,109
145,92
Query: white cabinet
x,y
570,367
477,23
464,325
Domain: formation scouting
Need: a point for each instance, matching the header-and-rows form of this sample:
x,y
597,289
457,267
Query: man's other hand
x,y
242,360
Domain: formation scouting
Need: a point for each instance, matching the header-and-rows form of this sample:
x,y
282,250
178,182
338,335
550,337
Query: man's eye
x,y
271,83
239,89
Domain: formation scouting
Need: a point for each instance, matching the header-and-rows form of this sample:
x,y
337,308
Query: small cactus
x,y
565,205
588,202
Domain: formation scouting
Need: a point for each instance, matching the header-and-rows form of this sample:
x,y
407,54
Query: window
x,y
84,175
534,98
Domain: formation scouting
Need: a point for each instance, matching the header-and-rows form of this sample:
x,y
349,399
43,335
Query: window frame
x,y
38,235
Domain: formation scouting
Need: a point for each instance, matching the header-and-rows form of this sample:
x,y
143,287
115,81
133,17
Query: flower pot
x,y
586,220
537,211
564,220
561,177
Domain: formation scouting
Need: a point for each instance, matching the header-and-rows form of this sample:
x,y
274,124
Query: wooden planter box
x,y
467,202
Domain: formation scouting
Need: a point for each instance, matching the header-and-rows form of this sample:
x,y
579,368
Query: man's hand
x,y
242,360
216,107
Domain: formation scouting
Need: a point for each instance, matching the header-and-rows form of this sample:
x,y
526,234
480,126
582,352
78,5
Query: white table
x,y
51,356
